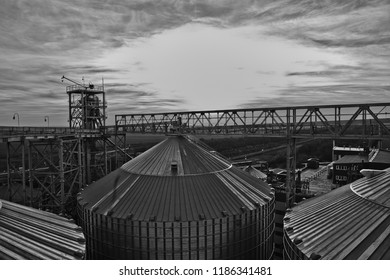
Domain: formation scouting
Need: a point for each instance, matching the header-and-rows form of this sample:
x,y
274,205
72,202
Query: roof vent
x,y
298,240
110,212
79,254
174,167
315,256
368,173
289,229
81,240
130,216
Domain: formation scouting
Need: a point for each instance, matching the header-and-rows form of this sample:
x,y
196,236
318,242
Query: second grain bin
x,y
178,201
351,222
31,234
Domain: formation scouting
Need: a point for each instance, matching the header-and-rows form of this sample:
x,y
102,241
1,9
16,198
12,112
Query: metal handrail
x,y
28,130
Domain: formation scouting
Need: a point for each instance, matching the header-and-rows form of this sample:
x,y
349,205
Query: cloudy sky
x,y
161,56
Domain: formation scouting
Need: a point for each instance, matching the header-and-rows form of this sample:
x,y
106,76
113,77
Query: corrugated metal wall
x,y
244,236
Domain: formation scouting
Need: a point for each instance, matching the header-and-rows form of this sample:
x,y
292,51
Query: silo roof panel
x,y
28,233
167,198
376,188
204,185
190,158
341,225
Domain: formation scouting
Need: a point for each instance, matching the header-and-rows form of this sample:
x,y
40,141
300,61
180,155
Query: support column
x,y
290,157
24,173
61,173
105,158
9,184
120,143
379,144
30,173
80,163
333,153
87,161
291,167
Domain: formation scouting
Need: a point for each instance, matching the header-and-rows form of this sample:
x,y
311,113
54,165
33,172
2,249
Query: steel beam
x,y
330,121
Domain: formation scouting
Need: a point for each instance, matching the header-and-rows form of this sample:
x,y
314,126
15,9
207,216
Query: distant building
x,y
258,164
339,152
313,163
255,173
347,169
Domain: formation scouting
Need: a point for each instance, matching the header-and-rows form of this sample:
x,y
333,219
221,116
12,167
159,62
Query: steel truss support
x,y
326,122
93,155
103,155
16,172
119,146
47,172
54,173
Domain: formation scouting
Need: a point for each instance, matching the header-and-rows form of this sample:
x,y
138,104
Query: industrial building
x,y
178,201
347,168
351,222
255,172
28,233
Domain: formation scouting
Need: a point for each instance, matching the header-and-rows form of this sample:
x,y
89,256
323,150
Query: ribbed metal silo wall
x,y
248,235
290,249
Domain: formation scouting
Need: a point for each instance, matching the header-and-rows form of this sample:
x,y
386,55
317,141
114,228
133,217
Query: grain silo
x,y
178,201
28,233
351,222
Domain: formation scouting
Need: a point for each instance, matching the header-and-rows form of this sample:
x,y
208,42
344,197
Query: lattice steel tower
x,y
87,105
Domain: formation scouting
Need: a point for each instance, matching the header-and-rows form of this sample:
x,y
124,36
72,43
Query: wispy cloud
x,y
43,40
322,95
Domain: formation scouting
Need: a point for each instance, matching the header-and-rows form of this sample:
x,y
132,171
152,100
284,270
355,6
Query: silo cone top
x,y
177,180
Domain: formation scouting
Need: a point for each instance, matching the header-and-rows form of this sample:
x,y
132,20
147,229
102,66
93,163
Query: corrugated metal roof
x,y
375,189
28,233
381,156
352,159
203,187
377,156
255,172
190,158
352,222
